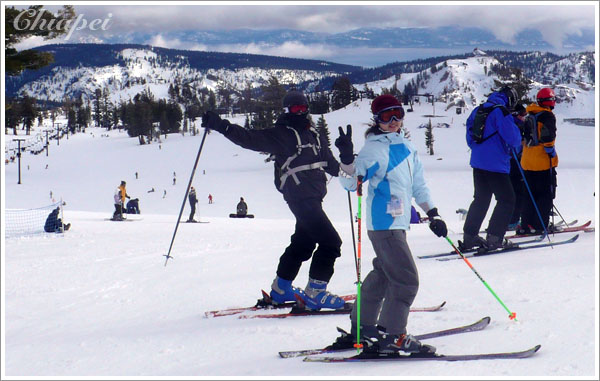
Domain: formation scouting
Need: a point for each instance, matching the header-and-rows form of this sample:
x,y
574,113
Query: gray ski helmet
x,y
294,98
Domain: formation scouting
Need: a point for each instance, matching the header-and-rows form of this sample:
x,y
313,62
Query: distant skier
x,y
210,199
119,197
133,206
193,201
241,210
54,224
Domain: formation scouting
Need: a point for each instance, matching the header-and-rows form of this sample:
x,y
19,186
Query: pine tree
x,y
97,106
323,130
29,112
15,61
429,138
342,93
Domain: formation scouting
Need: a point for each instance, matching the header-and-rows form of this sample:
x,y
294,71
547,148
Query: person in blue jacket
x,y
302,160
490,161
393,170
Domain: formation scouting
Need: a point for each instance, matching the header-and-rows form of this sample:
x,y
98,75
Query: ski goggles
x,y
388,114
298,109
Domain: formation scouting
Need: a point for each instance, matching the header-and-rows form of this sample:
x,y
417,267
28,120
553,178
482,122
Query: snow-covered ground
x,y
99,301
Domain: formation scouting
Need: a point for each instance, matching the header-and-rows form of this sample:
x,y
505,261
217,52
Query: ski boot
x,y
385,344
471,242
282,291
494,243
317,297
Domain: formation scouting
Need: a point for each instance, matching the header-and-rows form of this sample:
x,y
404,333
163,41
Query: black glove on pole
x,y
212,120
436,224
344,144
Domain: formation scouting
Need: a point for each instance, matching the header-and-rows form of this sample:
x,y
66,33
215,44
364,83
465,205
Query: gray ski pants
x,y
390,288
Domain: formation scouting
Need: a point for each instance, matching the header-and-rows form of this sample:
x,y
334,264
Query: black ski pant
x,y
486,184
521,195
542,185
313,229
118,211
193,211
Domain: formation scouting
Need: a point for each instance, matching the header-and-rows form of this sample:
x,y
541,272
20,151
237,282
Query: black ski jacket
x,y
282,142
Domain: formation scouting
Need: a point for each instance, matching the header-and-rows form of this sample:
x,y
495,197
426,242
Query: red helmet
x,y
384,102
546,97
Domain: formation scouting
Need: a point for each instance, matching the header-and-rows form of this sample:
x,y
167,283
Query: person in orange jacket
x,y
539,161
120,196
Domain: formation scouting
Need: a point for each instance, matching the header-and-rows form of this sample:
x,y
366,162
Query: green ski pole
x,y
358,345
511,315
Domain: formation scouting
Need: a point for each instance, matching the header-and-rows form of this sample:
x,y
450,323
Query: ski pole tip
x,y
358,346
513,316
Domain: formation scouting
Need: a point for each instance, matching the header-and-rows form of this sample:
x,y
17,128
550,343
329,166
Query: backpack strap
x,y
505,112
285,167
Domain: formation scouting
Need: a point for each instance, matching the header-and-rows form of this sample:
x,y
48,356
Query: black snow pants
x,y
543,187
313,229
487,183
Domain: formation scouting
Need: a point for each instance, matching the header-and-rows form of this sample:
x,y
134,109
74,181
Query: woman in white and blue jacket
x,y
391,166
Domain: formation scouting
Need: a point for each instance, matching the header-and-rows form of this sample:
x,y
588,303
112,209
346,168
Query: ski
x,y
428,357
515,248
261,304
449,253
300,311
569,224
477,326
570,229
558,224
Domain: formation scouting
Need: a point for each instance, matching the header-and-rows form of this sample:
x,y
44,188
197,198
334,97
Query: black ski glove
x,y
344,144
436,224
213,121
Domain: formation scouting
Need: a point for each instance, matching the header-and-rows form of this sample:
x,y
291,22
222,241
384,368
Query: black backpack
x,y
530,129
478,129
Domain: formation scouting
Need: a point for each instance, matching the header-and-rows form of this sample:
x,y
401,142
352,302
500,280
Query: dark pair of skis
x,y
568,229
531,244
297,309
366,356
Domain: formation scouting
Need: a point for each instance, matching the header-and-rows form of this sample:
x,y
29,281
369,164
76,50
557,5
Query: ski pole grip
x,y
359,185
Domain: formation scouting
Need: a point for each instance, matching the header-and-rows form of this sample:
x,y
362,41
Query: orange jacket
x,y
123,193
535,158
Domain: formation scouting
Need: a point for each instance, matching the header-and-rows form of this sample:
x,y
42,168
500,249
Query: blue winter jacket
x,y
394,173
494,153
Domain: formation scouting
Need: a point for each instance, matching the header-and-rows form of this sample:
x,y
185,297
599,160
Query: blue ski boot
x,y
282,291
318,297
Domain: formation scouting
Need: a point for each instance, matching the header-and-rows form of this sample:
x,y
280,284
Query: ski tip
x,y
443,304
486,319
537,348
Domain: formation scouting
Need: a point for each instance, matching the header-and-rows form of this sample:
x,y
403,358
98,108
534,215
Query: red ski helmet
x,y
546,97
383,102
